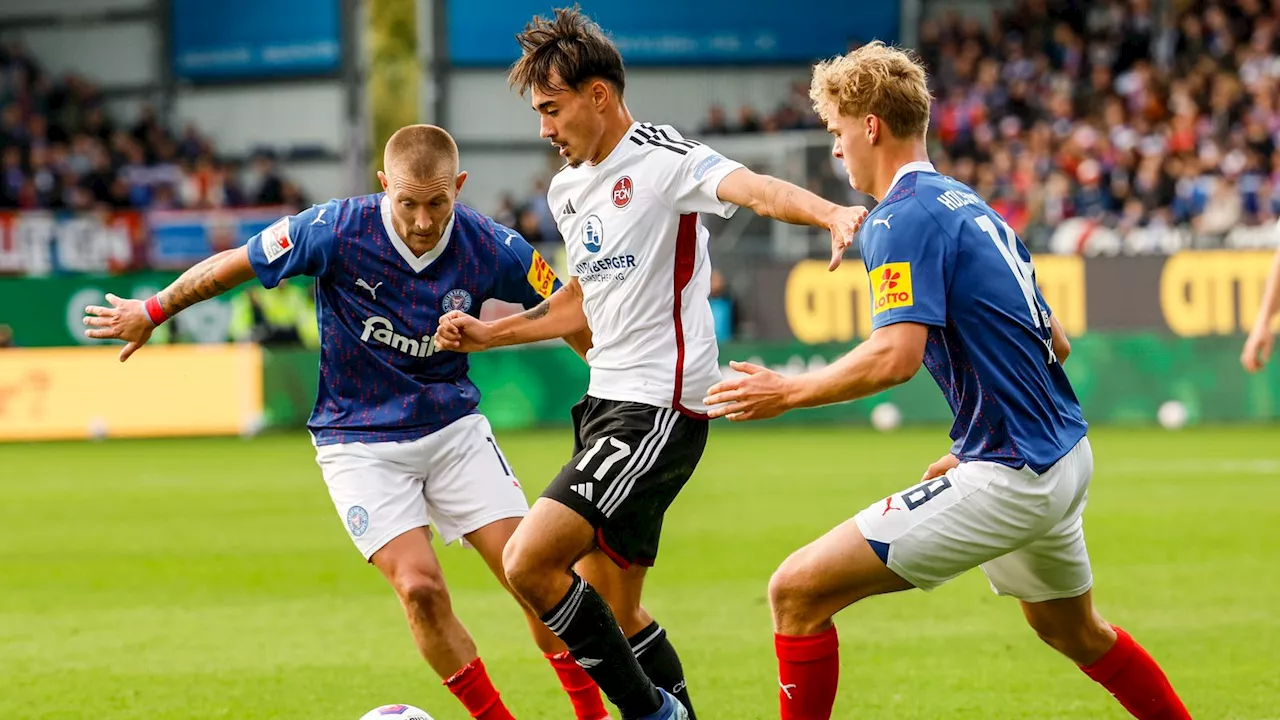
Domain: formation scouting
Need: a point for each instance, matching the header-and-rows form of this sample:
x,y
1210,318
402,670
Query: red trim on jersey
x,y
686,256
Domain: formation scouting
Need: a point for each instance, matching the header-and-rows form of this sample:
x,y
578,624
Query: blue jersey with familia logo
x,y
378,305
939,256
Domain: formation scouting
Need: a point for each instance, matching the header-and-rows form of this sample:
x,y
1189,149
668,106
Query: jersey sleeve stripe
x,y
653,140
687,143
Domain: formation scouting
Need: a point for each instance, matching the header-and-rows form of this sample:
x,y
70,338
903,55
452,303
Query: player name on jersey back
x,y
635,244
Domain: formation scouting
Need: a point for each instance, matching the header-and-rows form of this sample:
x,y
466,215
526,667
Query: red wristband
x,y
154,311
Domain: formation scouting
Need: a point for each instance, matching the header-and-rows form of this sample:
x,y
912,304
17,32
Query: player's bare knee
x,y
522,569
424,595
789,594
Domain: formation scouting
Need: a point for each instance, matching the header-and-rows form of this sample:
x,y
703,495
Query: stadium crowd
x,y
1105,110
1114,113
1099,110
60,149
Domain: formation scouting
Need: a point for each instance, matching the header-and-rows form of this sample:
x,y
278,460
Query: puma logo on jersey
x,y
883,221
319,217
381,331
373,291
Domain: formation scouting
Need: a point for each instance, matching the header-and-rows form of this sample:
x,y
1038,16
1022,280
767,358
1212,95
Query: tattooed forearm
x,y
538,312
780,201
196,284
777,200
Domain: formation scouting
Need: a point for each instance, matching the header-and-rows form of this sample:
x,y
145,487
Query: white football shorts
x,y
455,479
1024,530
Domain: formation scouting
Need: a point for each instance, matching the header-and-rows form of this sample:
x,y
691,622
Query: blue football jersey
x,y
939,256
378,306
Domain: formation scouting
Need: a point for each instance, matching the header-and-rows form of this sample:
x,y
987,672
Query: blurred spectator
x,y
506,212
716,123
268,186
6,336
1098,109
529,224
748,120
60,149
282,317
723,308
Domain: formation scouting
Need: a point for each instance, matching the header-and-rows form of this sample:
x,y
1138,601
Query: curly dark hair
x,y
564,52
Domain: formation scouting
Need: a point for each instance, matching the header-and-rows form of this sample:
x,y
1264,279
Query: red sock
x,y
1136,681
473,688
582,690
808,672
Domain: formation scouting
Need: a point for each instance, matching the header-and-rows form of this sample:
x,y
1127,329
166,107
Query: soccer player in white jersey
x,y
398,437
1257,348
953,289
627,204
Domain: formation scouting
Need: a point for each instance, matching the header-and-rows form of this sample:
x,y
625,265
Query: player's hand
x,y
460,332
941,467
758,395
1257,349
125,320
844,226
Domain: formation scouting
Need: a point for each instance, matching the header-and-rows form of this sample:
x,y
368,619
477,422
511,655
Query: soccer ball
x,y
1172,415
396,712
886,417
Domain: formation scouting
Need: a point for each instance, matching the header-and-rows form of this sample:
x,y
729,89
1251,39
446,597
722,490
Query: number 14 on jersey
x,y
1025,274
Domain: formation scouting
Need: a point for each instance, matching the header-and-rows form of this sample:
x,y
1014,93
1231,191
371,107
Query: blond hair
x,y
875,80
421,152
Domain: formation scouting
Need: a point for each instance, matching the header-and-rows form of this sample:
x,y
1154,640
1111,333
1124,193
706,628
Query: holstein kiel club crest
x,y
457,299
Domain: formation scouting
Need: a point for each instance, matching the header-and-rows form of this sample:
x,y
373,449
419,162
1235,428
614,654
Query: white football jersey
x,y
635,243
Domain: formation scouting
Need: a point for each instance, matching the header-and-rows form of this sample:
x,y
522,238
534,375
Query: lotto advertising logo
x,y
892,283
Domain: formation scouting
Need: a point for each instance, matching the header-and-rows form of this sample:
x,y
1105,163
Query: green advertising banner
x,y
49,312
1120,378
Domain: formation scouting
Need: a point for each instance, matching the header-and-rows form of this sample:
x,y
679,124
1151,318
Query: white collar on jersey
x,y
416,262
917,166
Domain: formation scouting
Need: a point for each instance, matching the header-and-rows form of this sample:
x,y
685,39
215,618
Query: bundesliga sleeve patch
x,y
891,287
541,277
275,240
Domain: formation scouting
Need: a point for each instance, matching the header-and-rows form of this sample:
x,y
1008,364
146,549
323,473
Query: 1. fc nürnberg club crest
x,y
458,299
622,192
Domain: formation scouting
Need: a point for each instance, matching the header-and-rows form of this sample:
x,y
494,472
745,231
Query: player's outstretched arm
x,y
770,197
133,320
891,356
559,316
1257,349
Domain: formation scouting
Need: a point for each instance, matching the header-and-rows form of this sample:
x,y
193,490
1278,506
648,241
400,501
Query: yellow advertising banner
x,y
167,390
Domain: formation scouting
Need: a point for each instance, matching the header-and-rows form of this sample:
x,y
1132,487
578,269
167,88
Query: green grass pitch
x,y
212,579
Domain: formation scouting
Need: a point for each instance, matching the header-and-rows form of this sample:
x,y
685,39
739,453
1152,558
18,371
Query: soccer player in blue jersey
x,y
953,289
397,434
